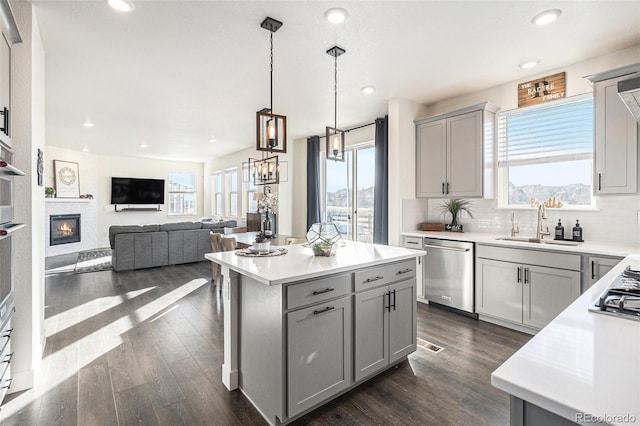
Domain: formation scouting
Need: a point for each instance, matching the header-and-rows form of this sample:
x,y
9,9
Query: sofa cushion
x,y
129,229
180,226
220,224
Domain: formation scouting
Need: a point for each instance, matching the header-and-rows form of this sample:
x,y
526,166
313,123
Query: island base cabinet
x,y
385,329
319,353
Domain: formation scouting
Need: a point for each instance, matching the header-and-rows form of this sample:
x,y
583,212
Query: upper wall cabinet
x,y
9,36
455,153
616,137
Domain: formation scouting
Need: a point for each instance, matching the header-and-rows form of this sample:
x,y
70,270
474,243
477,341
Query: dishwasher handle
x,y
446,248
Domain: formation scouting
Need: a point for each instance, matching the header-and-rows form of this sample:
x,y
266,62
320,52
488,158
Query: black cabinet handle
x,y
526,273
5,122
394,300
7,333
447,187
328,308
593,269
519,276
8,358
7,383
326,290
370,280
443,188
599,181
404,271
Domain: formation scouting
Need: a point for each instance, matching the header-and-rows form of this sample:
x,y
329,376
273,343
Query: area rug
x,y
93,261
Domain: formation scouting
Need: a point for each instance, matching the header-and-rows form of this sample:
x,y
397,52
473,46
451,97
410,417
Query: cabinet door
x,y
464,155
431,158
616,141
547,292
319,353
402,320
5,86
498,289
370,331
598,266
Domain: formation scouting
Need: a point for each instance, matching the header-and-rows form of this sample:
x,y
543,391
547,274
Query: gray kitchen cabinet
x,y
385,329
451,151
318,353
598,266
616,141
5,90
524,289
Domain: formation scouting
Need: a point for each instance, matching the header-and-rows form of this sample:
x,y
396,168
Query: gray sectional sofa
x,y
147,246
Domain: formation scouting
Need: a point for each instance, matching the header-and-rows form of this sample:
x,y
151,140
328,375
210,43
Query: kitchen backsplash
x,y
615,221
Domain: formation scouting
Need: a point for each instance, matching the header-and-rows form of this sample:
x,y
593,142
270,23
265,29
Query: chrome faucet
x,y
514,228
542,215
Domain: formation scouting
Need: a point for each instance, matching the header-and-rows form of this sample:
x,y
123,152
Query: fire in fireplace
x,y
64,229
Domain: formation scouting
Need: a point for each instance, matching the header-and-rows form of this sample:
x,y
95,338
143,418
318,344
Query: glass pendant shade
x,y
271,132
265,171
335,144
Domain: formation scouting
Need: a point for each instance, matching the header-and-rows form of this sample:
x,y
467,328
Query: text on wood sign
x,y
541,90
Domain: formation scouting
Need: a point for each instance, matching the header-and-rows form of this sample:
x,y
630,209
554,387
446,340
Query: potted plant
x,y
454,206
49,192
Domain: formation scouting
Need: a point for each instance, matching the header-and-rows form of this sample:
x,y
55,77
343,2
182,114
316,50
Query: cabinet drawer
x,y
306,293
413,242
549,259
384,274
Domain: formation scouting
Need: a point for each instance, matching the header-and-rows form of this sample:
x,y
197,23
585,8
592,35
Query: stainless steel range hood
x,y
629,92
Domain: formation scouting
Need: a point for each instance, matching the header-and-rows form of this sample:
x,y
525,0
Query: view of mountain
x,y
340,198
573,194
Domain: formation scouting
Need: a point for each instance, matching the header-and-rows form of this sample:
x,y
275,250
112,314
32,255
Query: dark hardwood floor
x,y
146,348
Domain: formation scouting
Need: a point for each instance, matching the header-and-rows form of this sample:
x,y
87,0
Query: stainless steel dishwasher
x,y
448,274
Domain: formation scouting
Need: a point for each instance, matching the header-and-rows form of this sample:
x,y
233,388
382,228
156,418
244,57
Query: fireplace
x,y
64,229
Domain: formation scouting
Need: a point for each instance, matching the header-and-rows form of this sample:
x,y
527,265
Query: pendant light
x,y
334,136
271,129
265,171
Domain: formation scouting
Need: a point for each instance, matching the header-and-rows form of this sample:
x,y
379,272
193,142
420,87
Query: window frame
x,y
228,173
193,192
502,171
214,199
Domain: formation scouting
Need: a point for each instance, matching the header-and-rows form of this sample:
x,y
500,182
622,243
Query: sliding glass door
x,y
348,193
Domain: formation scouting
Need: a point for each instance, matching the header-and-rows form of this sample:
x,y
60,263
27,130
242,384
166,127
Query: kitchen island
x,y
583,367
300,330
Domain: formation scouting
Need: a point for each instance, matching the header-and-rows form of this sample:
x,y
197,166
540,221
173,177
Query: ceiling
x,y
174,74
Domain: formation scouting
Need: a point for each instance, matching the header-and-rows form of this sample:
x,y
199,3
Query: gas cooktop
x,y
622,298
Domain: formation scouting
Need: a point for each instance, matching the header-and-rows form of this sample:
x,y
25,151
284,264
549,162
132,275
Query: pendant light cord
x,y
335,91
271,72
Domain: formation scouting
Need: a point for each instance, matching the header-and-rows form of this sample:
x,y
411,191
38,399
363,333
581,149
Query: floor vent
x,y
433,348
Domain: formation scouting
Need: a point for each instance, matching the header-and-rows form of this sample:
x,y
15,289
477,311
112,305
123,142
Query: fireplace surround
x,y
64,229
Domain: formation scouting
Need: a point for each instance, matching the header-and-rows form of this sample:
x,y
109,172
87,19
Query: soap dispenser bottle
x,y
559,231
577,232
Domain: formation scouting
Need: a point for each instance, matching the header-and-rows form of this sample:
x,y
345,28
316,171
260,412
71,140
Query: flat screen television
x,y
137,191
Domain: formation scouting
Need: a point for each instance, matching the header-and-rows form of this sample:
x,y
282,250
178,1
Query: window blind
x,y
545,134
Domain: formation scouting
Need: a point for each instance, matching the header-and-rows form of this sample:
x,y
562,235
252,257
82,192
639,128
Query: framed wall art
x,y
67,180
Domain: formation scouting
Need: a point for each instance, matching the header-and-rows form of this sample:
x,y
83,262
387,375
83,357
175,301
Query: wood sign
x,y
541,90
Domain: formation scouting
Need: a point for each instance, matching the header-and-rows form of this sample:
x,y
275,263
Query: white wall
x,y
27,85
616,221
95,173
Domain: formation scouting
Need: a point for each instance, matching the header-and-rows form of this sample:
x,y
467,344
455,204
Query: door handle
x,y
326,290
599,181
388,307
404,271
447,187
394,300
526,273
370,280
519,275
593,269
5,123
446,248
443,188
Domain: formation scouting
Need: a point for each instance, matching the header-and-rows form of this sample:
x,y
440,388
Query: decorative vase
x,y
454,221
266,226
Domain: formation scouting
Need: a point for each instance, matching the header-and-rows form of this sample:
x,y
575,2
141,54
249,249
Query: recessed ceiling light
x,y
336,15
121,5
87,124
529,64
212,140
368,89
143,145
85,149
546,17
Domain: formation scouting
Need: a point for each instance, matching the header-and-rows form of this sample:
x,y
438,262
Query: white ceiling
x,y
173,74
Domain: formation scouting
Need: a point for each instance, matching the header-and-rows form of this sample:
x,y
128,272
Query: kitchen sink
x,y
537,241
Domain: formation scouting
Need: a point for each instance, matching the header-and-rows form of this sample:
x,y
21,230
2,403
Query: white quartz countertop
x,y
300,263
590,247
581,363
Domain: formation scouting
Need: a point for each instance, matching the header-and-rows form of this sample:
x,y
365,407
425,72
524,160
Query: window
x,y
348,193
217,199
182,193
250,189
231,178
547,152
